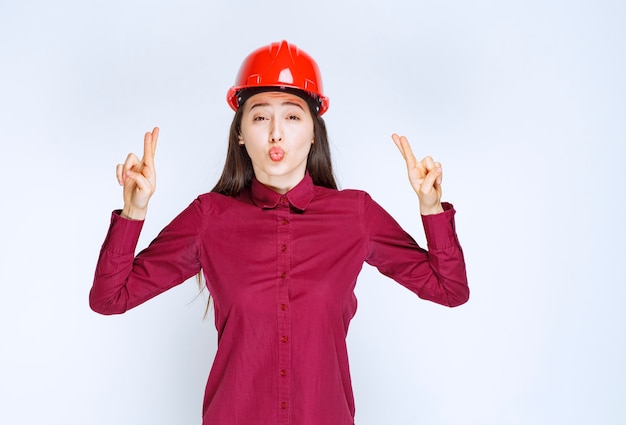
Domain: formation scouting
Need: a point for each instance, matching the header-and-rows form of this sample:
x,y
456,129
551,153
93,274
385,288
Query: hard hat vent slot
x,y
254,80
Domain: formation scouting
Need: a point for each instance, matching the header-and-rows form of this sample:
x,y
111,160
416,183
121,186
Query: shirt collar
x,y
299,196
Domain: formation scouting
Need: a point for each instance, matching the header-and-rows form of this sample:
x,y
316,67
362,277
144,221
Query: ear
x,y
241,143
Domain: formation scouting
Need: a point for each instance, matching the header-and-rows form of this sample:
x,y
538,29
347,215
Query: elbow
x,y
102,310
106,308
460,298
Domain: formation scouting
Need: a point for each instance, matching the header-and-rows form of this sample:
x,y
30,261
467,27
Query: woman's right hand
x,y
139,178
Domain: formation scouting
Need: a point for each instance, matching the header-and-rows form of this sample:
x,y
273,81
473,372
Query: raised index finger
x,y
149,146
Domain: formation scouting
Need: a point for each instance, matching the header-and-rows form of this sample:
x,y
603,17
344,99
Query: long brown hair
x,y
238,171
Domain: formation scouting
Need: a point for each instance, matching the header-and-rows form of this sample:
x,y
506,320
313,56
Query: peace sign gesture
x,y
139,178
424,175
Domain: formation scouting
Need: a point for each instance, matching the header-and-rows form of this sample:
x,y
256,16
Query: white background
x,y
524,103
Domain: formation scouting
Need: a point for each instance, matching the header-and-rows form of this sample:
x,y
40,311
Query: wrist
x,y
131,213
434,209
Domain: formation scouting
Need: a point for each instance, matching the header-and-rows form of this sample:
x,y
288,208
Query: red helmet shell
x,y
280,65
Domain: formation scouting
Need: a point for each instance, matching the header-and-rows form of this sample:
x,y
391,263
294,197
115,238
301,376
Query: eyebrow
x,y
285,103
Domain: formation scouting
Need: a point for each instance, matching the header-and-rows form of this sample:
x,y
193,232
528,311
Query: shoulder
x,y
344,194
339,194
216,203
353,199
212,198
209,203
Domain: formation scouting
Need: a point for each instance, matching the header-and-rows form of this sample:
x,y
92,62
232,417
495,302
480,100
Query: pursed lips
x,y
276,153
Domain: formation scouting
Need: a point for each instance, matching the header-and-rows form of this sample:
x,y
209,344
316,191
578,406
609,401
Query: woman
x,y
280,248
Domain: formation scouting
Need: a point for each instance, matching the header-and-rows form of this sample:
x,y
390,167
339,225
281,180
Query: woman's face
x,y
277,131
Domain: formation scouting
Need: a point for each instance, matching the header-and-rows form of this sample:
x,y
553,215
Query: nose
x,y
276,132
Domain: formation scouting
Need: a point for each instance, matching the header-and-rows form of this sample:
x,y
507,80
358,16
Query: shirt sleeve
x,y
437,275
123,281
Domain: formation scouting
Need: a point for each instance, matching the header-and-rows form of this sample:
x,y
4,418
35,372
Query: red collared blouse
x,y
281,270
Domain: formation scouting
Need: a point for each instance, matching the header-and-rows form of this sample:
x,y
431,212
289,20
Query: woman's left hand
x,y
425,177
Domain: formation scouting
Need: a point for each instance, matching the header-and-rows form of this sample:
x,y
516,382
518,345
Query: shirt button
x,y
283,275
283,405
283,248
283,199
283,307
284,338
283,372
284,221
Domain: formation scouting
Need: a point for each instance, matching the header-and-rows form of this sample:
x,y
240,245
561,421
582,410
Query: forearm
x,y
108,294
446,259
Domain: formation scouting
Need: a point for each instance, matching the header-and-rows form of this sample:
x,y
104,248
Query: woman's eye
x,y
293,117
259,118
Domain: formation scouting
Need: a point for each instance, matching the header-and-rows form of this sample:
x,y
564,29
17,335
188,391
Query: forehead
x,y
275,98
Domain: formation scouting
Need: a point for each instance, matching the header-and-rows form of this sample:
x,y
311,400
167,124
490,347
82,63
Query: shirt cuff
x,y
440,229
123,234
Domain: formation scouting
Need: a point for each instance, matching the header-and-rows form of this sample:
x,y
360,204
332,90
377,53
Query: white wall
x,y
522,101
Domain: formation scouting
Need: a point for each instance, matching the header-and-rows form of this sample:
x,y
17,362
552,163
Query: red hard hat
x,y
280,65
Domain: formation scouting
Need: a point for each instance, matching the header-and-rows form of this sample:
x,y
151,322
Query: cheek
x,y
304,140
305,149
307,136
253,151
252,138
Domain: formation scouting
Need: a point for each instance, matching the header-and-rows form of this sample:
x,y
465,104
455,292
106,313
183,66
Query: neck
x,y
280,184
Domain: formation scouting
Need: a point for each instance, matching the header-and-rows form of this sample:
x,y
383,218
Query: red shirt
x,y
281,270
